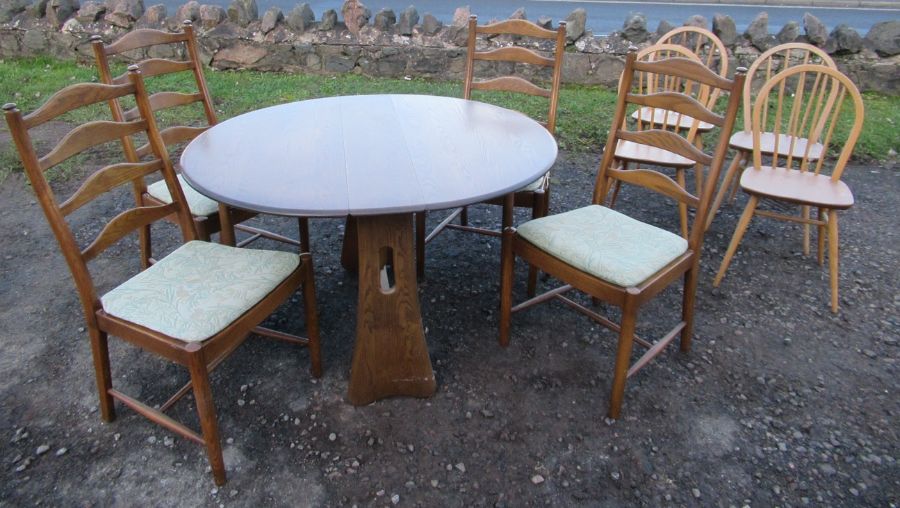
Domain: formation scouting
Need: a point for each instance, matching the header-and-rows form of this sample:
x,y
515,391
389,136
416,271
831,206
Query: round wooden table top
x,y
368,155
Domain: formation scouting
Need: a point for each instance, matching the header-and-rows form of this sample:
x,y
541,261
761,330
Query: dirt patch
x,y
779,402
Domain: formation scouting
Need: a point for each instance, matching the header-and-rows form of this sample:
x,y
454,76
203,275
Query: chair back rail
x,y
819,104
80,140
673,69
709,49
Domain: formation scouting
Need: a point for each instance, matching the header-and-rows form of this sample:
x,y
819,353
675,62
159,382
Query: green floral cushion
x,y
535,185
198,290
605,243
199,204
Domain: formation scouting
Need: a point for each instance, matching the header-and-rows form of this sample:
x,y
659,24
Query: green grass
x,y
584,111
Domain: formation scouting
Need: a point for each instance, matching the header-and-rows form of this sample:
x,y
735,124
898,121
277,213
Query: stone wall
x,y
389,44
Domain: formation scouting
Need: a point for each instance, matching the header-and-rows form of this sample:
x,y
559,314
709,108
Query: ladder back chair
x,y
616,258
195,306
536,195
805,102
176,55
763,69
654,117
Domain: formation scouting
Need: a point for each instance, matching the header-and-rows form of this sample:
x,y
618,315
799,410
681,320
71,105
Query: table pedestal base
x,y
390,357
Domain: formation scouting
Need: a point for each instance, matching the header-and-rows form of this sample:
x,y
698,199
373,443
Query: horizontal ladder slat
x,y
511,84
516,27
107,178
141,38
679,103
667,141
684,67
514,54
74,97
656,181
88,135
125,223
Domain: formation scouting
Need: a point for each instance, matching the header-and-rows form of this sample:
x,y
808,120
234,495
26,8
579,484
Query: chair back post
x,y
698,228
560,46
471,40
602,183
194,55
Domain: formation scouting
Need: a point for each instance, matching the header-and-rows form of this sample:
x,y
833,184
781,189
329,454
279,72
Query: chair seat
x,y
634,152
605,243
657,116
198,204
744,141
199,289
801,187
535,185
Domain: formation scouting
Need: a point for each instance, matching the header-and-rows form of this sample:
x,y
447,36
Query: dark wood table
x,y
378,159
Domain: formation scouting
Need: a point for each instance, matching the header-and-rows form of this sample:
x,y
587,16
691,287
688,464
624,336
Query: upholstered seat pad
x,y
802,187
199,204
535,185
605,243
200,289
668,118
744,141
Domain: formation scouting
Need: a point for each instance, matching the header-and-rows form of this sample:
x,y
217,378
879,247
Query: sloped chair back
x,y
678,68
703,43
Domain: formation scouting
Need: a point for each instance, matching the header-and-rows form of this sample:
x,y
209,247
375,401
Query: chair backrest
x,y
80,140
677,68
775,60
182,56
804,106
703,43
517,55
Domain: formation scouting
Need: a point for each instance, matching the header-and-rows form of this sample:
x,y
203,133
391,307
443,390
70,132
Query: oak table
x,y
378,159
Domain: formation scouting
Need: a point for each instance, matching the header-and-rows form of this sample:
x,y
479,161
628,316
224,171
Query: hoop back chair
x,y
193,307
536,195
179,56
763,69
805,102
611,256
651,117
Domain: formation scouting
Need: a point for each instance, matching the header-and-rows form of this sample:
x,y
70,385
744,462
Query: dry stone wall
x,y
391,44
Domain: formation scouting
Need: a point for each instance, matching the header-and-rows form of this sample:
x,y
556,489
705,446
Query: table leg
x,y
390,357
350,249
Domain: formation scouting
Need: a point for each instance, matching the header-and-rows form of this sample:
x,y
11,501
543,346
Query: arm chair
x,y
763,69
803,103
655,117
193,307
180,57
611,256
536,195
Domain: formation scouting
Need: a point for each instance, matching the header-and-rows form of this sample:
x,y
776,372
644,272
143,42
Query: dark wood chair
x,y
536,195
763,69
193,307
799,111
160,53
611,256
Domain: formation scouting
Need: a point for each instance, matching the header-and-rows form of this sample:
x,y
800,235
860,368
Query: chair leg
x,y
303,224
206,411
805,212
623,356
420,243
464,216
833,257
312,316
723,188
682,208
820,237
146,246
698,169
736,238
226,227
540,208
100,353
691,278
507,263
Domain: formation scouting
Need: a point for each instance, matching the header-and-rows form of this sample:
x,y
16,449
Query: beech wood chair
x,y
195,306
177,54
803,103
611,256
648,118
536,195
763,69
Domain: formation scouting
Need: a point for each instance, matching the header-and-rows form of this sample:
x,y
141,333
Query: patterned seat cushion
x,y
198,290
535,185
199,204
605,243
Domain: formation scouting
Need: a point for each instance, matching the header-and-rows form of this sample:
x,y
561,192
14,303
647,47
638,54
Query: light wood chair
x,y
648,118
611,256
536,195
763,69
803,103
195,306
178,56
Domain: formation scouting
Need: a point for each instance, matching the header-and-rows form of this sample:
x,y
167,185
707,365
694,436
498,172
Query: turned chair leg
x,y
736,238
507,263
100,353
312,316
833,257
206,411
805,213
226,228
682,207
820,237
725,186
623,356
691,278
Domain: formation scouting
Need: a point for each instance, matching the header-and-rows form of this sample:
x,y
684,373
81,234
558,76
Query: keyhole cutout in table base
x,y
388,282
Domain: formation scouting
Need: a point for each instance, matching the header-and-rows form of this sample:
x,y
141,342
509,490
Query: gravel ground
x,y
780,402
